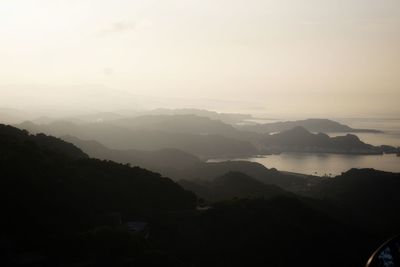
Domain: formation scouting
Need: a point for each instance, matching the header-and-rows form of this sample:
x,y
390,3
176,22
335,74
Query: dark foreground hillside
x,y
61,208
53,201
282,231
371,198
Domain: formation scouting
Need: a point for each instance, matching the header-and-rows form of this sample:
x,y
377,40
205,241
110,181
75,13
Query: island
x,y
299,139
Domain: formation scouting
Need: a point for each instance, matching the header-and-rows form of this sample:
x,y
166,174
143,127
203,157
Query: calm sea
x,y
329,164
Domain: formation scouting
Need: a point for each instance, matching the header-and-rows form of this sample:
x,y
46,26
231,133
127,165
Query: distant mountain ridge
x,y
184,123
312,125
155,160
230,118
155,134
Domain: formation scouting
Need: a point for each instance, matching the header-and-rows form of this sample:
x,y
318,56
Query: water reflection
x,y
325,164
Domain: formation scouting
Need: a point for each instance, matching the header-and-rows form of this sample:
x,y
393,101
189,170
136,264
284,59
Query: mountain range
x,y
312,125
201,136
131,134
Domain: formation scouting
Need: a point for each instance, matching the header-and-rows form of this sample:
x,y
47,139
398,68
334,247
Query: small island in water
x,y
299,139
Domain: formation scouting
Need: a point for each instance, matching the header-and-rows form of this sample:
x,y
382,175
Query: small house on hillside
x,y
138,228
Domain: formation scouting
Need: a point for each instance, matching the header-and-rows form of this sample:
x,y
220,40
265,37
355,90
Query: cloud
x,y
108,71
122,26
118,27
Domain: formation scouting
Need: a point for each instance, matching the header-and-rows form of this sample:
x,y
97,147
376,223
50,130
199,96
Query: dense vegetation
x,y
51,192
232,185
371,197
282,231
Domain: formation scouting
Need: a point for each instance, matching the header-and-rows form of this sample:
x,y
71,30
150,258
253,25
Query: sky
x,y
305,57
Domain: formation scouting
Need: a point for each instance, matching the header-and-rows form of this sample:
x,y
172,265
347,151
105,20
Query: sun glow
x,y
266,50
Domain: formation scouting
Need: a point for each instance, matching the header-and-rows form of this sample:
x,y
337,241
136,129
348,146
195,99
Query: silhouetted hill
x,y
299,139
61,207
312,125
37,176
372,198
231,185
119,137
281,231
157,160
12,136
208,171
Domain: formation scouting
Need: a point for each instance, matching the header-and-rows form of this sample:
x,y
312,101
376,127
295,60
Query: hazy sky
x,y
296,56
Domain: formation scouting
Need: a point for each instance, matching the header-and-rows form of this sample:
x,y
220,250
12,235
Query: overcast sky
x,y
339,57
